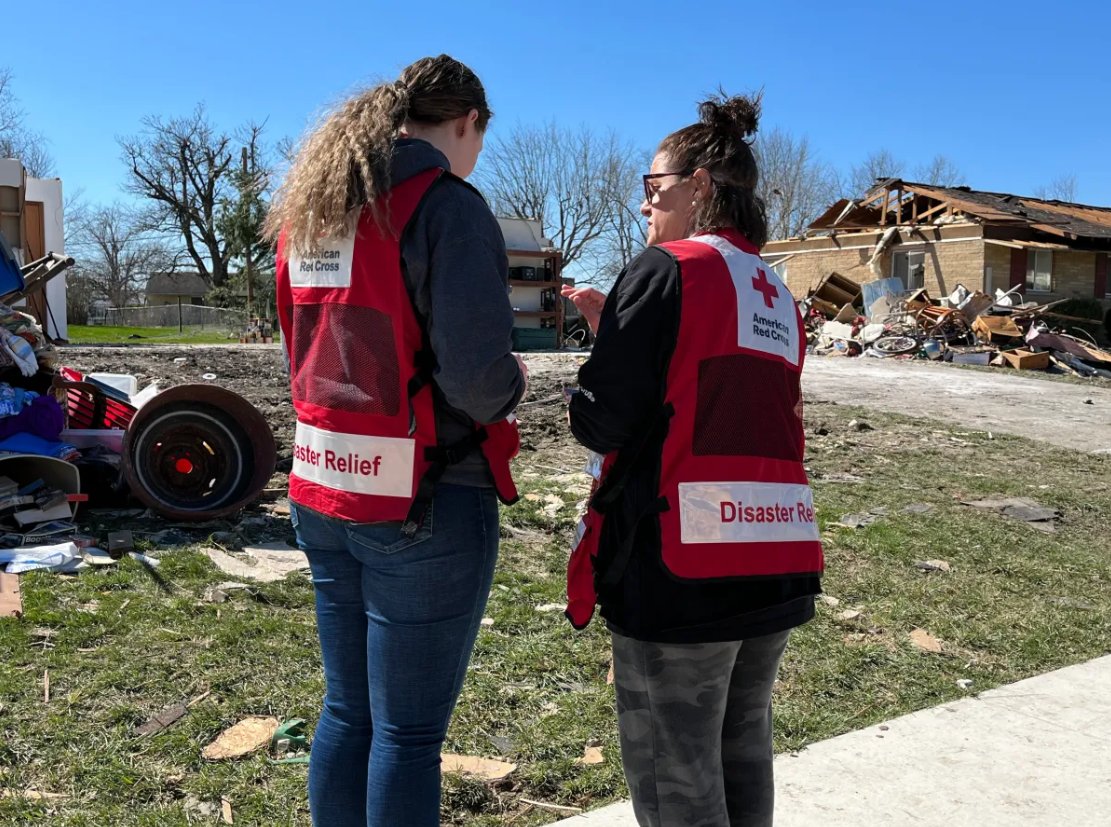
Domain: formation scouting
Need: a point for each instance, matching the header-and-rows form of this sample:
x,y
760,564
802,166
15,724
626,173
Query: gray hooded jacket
x,y
457,273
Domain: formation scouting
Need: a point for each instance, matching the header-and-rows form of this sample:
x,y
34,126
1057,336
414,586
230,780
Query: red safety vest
x,y
738,502
365,447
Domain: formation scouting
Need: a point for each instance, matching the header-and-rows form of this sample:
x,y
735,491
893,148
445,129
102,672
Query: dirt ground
x,y
1076,416
258,373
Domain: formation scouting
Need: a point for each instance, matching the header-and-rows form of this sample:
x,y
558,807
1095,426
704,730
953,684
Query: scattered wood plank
x,y
163,720
245,737
555,808
487,769
590,757
11,604
925,641
33,795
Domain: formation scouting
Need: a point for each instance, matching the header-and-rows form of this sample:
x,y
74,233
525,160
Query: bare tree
x,y
941,172
879,164
1061,188
795,185
574,182
117,254
11,116
625,229
16,139
81,292
76,212
185,168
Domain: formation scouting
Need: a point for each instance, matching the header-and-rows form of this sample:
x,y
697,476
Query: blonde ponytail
x,y
344,164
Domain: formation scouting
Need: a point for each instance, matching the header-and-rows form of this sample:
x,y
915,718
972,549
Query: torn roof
x,y
907,201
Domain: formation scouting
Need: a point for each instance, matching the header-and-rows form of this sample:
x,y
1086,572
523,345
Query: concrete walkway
x,y
1000,400
1036,753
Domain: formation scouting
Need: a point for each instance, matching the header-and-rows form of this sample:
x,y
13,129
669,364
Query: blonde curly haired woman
x,y
392,278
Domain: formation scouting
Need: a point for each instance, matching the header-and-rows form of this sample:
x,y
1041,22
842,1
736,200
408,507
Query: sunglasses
x,y
649,190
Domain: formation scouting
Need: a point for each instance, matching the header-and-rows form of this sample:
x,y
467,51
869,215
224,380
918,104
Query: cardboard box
x,y
1026,359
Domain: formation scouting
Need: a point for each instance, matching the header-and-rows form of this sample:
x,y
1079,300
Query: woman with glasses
x,y
700,544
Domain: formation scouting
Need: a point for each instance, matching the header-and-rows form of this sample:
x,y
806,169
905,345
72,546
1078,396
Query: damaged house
x,y
939,237
31,224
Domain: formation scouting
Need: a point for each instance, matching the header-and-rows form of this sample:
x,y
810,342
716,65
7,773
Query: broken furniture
x,y
192,452
36,276
832,294
257,331
996,329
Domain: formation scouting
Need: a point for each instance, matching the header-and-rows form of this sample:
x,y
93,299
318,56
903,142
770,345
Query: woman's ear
x,y
471,118
703,184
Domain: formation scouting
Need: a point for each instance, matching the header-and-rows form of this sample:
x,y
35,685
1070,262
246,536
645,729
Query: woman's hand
x,y
589,301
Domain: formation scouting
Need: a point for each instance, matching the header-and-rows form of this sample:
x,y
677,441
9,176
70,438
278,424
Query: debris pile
x,y
882,319
257,331
192,453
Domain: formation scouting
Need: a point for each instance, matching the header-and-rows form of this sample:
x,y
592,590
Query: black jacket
x,y
622,390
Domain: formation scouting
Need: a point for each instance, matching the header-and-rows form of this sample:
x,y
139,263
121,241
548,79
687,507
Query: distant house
x,y
174,288
937,237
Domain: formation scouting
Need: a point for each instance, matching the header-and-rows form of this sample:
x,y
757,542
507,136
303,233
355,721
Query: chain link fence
x,y
173,315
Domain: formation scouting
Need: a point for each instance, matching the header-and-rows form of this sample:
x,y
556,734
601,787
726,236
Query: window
x,y
910,268
780,268
1039,271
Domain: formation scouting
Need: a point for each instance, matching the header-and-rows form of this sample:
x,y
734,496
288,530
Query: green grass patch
x,y
1016,602
193,335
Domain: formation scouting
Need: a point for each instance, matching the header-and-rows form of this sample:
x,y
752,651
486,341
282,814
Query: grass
x,y
1016,603
99,334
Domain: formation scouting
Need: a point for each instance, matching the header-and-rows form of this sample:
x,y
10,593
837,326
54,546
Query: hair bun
x,y
738,114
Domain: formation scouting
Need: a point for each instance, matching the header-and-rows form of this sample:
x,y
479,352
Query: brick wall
x,y
998,258
947,265
951,257
805,271
1074,274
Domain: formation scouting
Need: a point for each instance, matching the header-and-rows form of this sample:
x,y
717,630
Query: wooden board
x,y
11,604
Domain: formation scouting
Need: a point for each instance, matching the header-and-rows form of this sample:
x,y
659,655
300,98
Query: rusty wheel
x,y
196,452
191,458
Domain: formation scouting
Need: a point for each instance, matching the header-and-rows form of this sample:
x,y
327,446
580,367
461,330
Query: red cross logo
x,y
766,287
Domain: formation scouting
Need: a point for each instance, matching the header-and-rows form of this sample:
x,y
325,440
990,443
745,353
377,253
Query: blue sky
x,y
1015,93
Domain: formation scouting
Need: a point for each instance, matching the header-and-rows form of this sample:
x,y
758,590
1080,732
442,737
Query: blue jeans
x,y
397,620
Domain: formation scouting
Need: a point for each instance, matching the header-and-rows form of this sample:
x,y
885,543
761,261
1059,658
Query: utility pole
x,y
248,185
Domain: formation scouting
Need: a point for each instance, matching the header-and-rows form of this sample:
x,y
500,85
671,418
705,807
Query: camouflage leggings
x,y
696,730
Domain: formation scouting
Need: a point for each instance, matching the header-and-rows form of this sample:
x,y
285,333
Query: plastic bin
x,y
57,473
110,438
123,382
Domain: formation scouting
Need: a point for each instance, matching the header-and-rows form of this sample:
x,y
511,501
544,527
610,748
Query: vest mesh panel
x,y
745,408
326,367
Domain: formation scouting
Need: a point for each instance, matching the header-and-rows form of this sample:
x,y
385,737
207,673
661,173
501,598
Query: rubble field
x,y
1073,414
